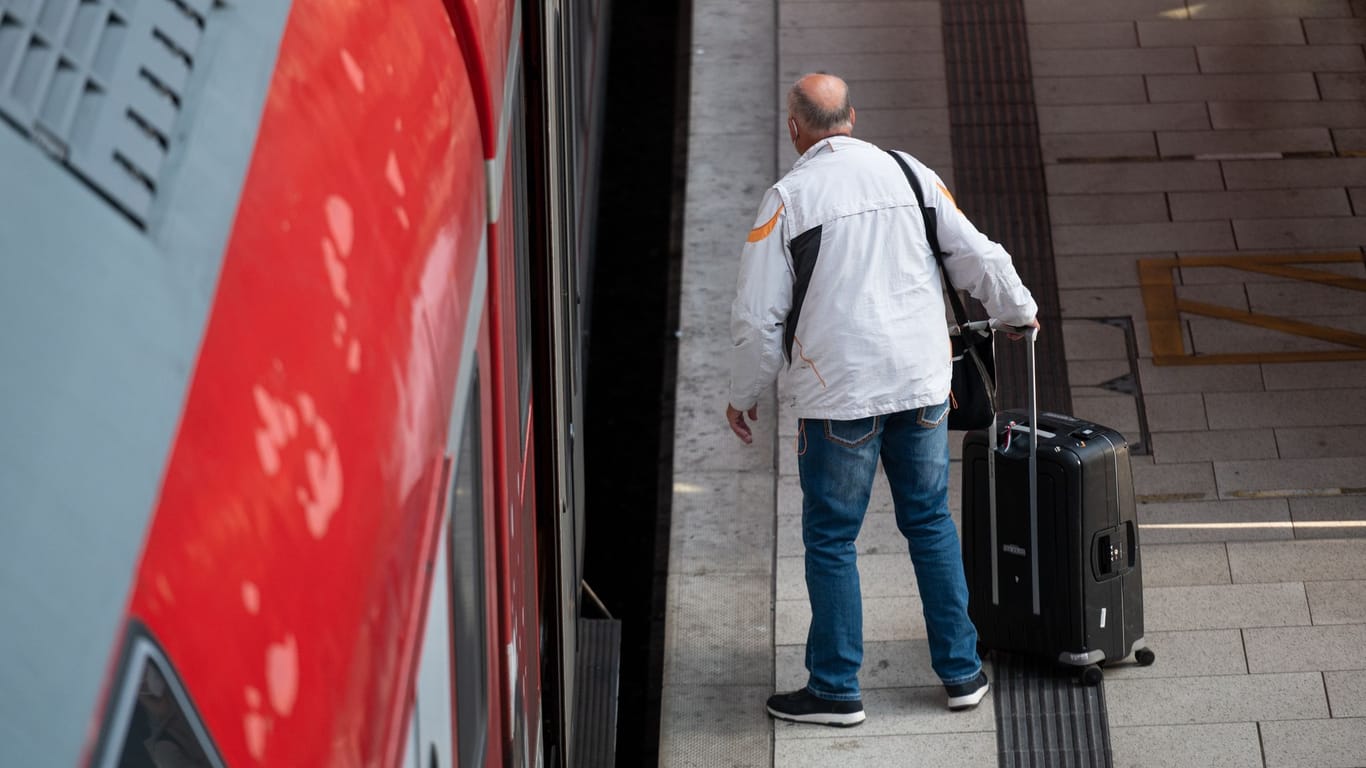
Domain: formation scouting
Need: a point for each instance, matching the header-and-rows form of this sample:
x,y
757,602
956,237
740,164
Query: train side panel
x,y
300,509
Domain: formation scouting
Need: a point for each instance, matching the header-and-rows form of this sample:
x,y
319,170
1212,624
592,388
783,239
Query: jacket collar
x,y
828,144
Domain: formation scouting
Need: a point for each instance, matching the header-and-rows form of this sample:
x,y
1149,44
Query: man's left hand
x,y
736,419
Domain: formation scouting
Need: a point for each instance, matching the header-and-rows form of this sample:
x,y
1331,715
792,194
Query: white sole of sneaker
x,y
969,701
822,718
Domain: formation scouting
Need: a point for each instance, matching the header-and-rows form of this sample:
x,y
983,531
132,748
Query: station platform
x,y
1199,172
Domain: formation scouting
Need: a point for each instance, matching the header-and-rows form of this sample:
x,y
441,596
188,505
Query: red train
x,y
291,304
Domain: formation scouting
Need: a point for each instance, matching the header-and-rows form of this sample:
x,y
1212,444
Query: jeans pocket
x,y
851,434
931,415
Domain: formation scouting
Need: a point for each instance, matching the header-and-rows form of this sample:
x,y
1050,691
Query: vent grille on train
x,y
99,85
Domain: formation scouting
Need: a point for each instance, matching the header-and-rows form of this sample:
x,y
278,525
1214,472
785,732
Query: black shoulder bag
x,y
972,394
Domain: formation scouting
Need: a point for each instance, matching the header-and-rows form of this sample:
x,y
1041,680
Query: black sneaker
x,y
967,695
804,707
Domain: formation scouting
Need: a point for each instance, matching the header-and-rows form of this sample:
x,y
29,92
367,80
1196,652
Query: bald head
x,y
819,105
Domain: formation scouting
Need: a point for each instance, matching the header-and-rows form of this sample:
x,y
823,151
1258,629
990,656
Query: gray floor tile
x,y
1097,146
1227,606
1225,699
1260,562
1309,173
1090,374
1346,693
1248,9
1319,442
1175,412
859,13
1281,58
719,630
1113,89
1270,86
1304,233
853,750
1247,410
1128,117
1218,445
717,725
1216,144
862,66
1329,517
1216,745
1196,653
1060,11
1320,743
1242,115
1193,521
1110,178
886,664
1084,35
880,39
1261,203
902,711
1335,31
1304,649
722,521
1173,482
1199,378
1093,270
1107,302
1182,565
1337,602
1119,61
1161,34
1119,412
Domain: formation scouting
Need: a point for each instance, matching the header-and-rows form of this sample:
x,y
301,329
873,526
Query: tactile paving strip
x,y
998,172
1046,718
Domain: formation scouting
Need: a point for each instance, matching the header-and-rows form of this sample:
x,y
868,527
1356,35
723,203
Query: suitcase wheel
x,y
1091,674
1144,656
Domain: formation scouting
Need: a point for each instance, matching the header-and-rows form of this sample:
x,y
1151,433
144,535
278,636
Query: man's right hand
x,y
736,419
1017,336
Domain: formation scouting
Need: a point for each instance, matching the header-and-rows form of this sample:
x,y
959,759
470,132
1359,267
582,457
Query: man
x,y
838,281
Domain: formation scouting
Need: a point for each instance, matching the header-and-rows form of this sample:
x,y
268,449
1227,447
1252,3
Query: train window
x,y
470,625
152,722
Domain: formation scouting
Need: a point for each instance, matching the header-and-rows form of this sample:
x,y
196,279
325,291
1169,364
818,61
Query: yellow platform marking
x,y
1164,308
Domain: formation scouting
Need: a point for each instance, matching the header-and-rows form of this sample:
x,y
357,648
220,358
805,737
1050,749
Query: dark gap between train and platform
x,y
628,435
1043,717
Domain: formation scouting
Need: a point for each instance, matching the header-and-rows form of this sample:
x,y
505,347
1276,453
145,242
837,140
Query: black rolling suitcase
x,y
1050,540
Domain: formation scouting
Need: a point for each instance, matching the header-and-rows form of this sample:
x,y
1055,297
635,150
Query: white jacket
x,y
870,336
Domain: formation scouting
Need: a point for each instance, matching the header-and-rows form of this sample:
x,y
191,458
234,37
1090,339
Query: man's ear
x,y
851,117
792,128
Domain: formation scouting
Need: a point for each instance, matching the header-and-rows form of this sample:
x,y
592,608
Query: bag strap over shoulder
x,y
960,315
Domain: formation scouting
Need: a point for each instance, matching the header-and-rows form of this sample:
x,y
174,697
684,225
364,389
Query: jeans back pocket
x,y
851,433
931,415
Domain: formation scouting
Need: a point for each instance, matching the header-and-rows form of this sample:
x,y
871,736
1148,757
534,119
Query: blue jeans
x,y
837,461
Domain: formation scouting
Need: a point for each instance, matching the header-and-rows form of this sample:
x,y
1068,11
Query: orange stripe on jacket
x,y
759,233
949,195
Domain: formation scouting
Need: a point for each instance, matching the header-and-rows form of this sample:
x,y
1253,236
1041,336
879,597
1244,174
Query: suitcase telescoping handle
x,y
1031,335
